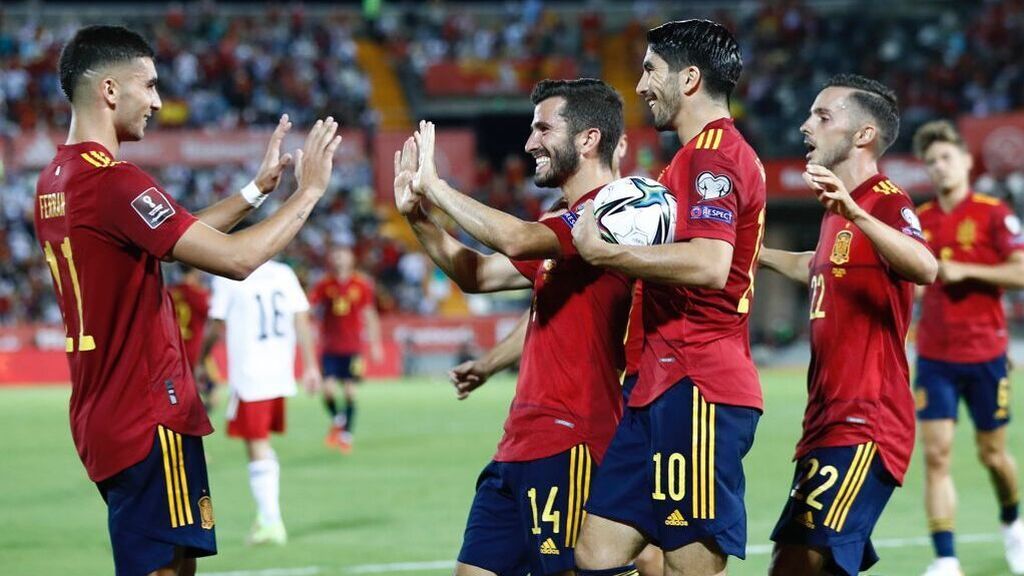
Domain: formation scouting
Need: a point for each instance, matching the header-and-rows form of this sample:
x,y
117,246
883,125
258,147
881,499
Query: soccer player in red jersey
x,y
191,306
104,226
528,506
673,475
858,429
346,302
962,339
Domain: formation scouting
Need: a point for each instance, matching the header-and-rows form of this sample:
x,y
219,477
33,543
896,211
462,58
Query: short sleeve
x,y
295,296
220,299
708,206
138,212
317,293
528,268
897,211
1006,231
562,225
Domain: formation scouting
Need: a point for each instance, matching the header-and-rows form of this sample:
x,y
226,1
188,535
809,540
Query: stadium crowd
x,y
229,71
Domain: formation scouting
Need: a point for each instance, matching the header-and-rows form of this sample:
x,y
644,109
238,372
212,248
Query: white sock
x,y
265,481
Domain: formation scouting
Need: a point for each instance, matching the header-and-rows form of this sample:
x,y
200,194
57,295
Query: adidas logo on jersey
x,y
676,519
549,547
807,519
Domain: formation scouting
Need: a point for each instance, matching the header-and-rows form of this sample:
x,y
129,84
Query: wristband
x,y
253,195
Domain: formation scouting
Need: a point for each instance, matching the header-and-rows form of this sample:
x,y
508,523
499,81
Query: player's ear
x,y
109,90
587,141
689,80
867,136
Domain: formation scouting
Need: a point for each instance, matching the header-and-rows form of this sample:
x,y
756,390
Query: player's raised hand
x,y
406,163
585,235
467,377
426,173
274,163
831,192
313,164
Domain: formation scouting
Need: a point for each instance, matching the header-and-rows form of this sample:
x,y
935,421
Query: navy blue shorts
x,y
160,504
984,386
674,471
838,494
628,383
526,516
342,366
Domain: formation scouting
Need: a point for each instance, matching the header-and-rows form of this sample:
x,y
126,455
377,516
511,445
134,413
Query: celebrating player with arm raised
x,y
858,428
528,506
104,227
962,339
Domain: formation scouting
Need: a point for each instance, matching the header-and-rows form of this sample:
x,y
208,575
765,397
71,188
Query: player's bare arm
x,y
469,376
504,233
237,255
1009,274
908,258
792,265
372,322
700,262
472,271
214,332
312,380
227,213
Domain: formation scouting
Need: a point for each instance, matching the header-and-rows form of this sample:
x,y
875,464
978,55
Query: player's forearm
x,y
1008,275
792,265
458,261
214,332
495,229
304,336
509,350
698,263
225,214
372,320
910,259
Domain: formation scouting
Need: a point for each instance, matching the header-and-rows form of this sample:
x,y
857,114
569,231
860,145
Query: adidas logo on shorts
x,y
548,547
676,519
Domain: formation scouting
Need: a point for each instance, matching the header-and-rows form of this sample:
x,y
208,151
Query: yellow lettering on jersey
x,y
51,205
886,187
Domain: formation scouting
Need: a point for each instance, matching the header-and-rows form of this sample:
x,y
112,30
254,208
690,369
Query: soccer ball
x,y
636,211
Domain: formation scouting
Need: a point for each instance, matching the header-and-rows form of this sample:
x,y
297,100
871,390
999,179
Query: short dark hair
x,y
589,103
937,131
875,99
97,46
702,43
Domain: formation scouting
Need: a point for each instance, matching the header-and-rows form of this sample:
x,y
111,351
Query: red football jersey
x,y
635,330
104,226
858,381
699,333
568,391
965,322
192,306
341,304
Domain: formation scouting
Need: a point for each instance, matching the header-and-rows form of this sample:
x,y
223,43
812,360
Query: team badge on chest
x,y
841,248
966,234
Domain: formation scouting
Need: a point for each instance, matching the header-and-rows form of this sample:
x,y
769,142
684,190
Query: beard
x,y
565,160
666,108
833,156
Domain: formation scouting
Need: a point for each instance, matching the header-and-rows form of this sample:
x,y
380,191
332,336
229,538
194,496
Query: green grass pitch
x,y
397,505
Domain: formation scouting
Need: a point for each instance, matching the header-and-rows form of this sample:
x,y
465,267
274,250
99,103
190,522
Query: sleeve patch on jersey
x,y
711,213
713,186
569,218
153,207
1012,224
914,228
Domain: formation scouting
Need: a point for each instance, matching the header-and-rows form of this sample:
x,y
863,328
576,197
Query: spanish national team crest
x,y
966,234
206,512
841,248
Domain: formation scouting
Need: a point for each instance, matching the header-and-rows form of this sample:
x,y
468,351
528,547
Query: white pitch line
x,y
753,550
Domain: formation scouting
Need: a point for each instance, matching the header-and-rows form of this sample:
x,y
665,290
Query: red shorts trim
x,y
255,420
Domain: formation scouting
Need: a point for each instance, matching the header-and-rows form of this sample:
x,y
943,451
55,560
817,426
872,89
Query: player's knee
x,y
790,560
992,457
937,457
650,562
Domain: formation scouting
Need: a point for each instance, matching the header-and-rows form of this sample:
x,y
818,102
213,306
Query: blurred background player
x,y
858,429
567,398
345,301
111,225
697,380
262,318
192,306
962,339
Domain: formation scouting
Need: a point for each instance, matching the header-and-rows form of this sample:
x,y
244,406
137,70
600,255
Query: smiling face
x,y
551,144
659,86
136,98
829,130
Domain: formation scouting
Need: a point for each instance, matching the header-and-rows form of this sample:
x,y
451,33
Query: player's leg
x,y
348,387
988,399
493,543
837,495
253,422
620,504
160,514
937,395
331,368
650,561
180,566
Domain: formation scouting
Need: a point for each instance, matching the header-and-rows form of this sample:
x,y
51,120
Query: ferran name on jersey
x,y
841,248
